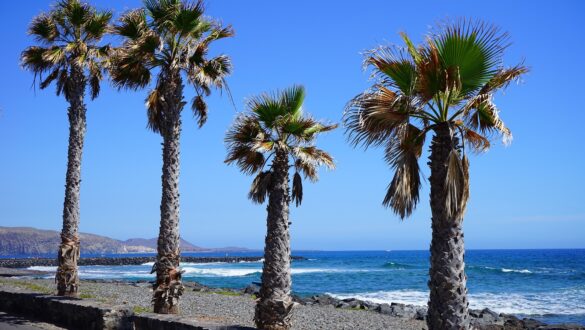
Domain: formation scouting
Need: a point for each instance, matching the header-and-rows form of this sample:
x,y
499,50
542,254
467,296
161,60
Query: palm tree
x,y
445,86
172,38
69,54
275,127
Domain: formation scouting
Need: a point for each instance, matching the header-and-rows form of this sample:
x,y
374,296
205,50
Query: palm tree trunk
x,y
168,287
67,277
273,309
448,305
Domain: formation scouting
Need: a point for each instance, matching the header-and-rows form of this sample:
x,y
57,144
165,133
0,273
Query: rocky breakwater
x,y
484,319
121,261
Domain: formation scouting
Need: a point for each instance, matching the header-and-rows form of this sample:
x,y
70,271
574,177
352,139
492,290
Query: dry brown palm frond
x,y
372,117
154,107
246,129
259,189
456,185
199,108
297,189
308,169
314,156
485,118
503,78
403,192
478,142
402,153
248,160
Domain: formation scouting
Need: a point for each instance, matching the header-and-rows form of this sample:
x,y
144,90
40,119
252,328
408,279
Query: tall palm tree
x,y
171,38
69,54
275,127
446,87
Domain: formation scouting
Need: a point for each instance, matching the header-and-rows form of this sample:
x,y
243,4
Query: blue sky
x,y
527,195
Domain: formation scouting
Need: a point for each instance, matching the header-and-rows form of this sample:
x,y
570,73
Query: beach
x,y
221,307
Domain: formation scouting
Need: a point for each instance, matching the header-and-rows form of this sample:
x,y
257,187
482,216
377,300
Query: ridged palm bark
x,y
67,276
275,126
448,304
172,37
273,310
69,35
445,87
168,285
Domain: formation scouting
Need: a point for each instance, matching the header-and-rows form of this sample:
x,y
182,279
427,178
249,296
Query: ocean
x,y
548,285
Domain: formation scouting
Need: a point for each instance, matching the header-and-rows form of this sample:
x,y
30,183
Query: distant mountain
x,y
32,241
151,243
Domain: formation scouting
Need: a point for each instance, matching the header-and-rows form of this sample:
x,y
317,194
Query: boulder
x,y
252,289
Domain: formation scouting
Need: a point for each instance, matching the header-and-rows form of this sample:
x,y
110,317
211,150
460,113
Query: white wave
x,y
410,297
44,268
223,272
148,263
564,302
251,262
318,270
522,271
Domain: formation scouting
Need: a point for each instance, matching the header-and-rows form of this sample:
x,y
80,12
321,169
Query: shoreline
x,y
123,261
235,306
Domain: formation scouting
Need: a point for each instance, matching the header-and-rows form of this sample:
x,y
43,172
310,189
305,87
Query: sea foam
x,y
566,302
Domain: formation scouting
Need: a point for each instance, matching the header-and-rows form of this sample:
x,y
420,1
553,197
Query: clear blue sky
x,y
527,195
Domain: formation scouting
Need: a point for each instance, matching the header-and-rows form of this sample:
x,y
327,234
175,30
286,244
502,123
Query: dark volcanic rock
x,y
118,261
253,288
485,317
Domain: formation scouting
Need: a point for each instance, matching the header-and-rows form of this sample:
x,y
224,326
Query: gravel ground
x,y
226,308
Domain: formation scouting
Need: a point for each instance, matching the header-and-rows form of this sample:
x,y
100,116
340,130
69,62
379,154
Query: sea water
x,y
548,285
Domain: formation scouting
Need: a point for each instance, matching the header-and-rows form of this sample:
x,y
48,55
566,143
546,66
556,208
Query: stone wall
x,y
84,314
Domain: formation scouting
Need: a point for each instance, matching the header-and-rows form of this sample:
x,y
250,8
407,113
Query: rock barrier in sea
x,y
121,261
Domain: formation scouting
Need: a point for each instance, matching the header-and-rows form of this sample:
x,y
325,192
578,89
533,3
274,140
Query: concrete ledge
x,y
84,314
146,321
67,312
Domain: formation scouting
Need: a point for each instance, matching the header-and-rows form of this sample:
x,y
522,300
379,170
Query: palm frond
x,y
130,64
163,12
97,25
402,153
199,108
132,25
292,99
373,117
44,29
456,185
47,80
259,189
403,192
246,158
267,107
35,59
315,156
393,68
503,78
95,76
154,108
297,189
305,129
309,169
211,73
188,19
484,117
75,12
478,142
476,49
245,130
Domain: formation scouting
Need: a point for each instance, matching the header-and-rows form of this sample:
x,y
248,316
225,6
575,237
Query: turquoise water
x,y
548,285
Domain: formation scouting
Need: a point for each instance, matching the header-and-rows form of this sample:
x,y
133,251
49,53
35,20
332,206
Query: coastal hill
x,y
32,241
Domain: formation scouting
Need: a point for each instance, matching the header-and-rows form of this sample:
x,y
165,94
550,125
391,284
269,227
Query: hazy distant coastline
x,y
28,241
